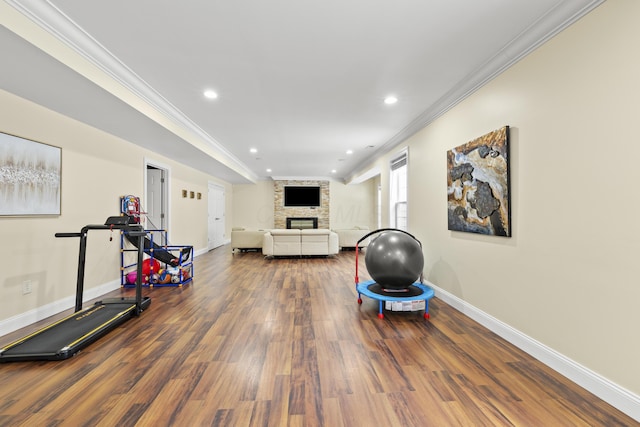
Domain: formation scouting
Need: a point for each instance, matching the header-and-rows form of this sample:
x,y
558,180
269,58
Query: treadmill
x,y
64,338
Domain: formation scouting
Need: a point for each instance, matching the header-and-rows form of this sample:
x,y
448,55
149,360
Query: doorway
x,y
156,197
216,220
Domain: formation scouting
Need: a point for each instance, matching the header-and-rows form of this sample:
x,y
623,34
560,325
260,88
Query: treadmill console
x,y
118,220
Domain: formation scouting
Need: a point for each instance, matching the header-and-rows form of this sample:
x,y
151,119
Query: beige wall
x,y
568,276
253,205
96,170
350,205
353,204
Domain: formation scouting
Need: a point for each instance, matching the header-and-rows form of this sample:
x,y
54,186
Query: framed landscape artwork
x,y
30,175
478,185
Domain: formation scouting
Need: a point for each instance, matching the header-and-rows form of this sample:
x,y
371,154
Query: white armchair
x,y
246,239
348,237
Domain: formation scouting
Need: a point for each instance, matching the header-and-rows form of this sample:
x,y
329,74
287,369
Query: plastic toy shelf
x,y
427,293
178,273
167,265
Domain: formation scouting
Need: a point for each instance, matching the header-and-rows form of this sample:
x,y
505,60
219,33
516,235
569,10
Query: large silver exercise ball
x,y
394,259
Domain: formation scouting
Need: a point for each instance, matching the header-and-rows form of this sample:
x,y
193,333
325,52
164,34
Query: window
x,y
398,191
379,205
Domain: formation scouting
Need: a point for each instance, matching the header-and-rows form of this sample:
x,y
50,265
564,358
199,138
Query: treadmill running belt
x,y
62,339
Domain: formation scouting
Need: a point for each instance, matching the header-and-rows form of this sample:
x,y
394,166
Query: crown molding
x,y
52,20
302,178
546,27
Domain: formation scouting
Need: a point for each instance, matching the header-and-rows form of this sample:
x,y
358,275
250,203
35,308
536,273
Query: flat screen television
x,y
301,196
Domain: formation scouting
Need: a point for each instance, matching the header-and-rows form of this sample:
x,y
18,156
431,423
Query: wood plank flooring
x,y
283,342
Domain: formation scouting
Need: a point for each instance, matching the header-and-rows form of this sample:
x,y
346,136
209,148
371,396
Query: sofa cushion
x,y
281,242
315,232
318,242
285,232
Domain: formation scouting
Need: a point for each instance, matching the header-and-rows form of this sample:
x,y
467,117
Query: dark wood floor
x,y
283,342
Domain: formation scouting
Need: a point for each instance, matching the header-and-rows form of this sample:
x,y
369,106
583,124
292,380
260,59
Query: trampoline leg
x,y
380,315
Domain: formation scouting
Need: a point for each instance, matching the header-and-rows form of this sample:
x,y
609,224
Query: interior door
x,y
216,216
155,214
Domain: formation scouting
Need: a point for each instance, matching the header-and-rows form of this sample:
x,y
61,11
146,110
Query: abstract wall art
x,y
30,175
478,185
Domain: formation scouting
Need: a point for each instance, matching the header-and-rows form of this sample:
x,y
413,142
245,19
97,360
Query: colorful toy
x,y
130,205
150,266
164,277
131,277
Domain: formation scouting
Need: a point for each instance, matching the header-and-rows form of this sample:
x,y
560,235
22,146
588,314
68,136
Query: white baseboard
x,y
198,252
610,392
32,316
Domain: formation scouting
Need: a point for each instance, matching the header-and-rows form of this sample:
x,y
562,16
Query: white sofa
x,y
245,240
348,237
296,242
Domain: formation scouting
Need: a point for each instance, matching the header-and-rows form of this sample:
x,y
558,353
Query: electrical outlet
x,y
26,287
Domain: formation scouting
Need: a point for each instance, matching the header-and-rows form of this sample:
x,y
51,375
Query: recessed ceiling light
x,y
253,150
333,171
390,100
349,151
211,94
269,170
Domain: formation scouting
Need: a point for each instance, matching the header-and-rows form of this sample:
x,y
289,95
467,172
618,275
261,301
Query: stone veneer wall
x,y
281,213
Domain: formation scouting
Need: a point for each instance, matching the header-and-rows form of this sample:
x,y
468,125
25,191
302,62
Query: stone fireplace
x,y
309,222
282,212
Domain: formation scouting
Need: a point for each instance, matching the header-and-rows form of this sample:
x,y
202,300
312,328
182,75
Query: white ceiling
x,y
301,81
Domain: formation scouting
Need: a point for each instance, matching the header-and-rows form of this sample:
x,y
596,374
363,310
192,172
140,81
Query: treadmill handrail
x,y
111,224
68,234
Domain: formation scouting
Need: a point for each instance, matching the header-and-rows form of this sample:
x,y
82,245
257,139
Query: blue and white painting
x,y
29,177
